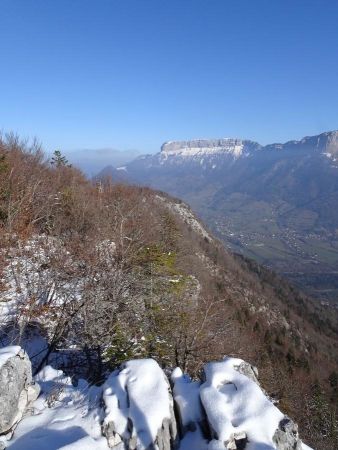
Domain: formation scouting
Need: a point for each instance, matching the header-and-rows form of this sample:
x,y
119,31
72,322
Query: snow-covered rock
x,y
188,403
248,370
239,413
139,408
286,436
64,416
230,411
17,390
133,409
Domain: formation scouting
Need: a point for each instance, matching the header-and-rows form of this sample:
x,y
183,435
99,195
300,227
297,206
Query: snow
x,y
49,374
8,352
330,156
140,391
233,403
194,441
215,445
236,404
64,417
187,396
306,447
23,276
69,417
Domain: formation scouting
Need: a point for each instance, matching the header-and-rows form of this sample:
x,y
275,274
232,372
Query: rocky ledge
x,y
17,389
137,408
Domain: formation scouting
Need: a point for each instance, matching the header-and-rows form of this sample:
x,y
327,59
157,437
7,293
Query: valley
x,y
309,260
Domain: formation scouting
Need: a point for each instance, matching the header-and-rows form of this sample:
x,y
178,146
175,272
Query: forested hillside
x,y
274,203
93,275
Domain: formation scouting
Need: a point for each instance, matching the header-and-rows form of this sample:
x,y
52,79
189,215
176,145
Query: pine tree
x,y
58,160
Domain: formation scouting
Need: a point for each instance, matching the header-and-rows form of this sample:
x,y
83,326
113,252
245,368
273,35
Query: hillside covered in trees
x,y
95,274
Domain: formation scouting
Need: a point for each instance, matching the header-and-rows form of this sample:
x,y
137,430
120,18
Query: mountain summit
x,y
325,143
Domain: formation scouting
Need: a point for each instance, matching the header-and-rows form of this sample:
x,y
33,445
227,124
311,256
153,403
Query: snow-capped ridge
x,y
200,147
326,143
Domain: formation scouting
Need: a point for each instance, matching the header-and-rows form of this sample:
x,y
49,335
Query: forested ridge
x,y
103,272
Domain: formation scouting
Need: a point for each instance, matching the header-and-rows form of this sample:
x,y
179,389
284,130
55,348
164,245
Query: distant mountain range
x,y
276,203
91,161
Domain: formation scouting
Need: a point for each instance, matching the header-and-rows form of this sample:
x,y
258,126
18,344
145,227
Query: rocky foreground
x,y
138,408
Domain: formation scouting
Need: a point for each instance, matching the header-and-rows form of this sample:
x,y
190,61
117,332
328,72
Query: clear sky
x,y
130,74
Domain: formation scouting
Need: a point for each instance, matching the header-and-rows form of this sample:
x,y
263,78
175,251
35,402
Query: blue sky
x,y
130,74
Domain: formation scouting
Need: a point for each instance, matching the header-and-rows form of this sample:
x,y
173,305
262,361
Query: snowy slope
x,y
64,417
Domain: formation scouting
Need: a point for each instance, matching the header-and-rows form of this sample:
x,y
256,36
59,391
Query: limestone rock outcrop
x,y
139,408
230,410
17,389
140,411
286,436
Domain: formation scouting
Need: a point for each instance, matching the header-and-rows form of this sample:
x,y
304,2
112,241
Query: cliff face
x,y
332,143
325,143
234,147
